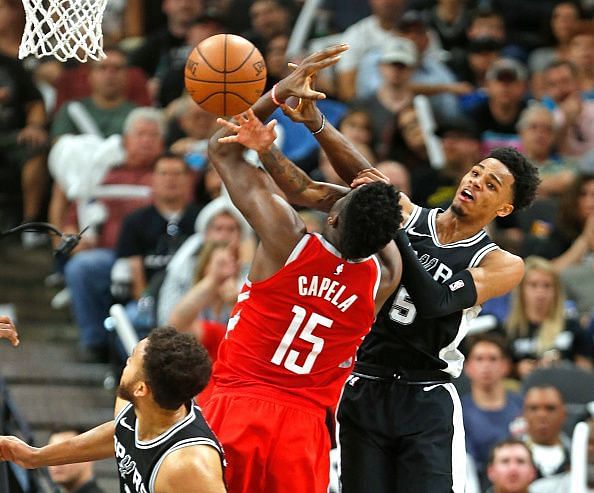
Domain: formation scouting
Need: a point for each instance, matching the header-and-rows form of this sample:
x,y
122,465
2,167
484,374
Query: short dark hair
x,y
176,367
526,179
507,443
488,338
370,220
545,386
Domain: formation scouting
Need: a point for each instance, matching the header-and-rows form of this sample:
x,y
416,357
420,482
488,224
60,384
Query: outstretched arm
x,y
8,330
93,445
298,83
348,162
253,192
344,157
299,188
497,274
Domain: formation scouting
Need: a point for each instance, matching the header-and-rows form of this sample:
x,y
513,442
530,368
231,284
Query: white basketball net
x,y
64,29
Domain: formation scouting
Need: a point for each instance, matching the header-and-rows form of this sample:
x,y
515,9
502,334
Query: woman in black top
x,y
540,332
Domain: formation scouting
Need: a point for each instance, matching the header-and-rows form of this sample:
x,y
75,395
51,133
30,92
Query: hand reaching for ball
x,y
8,330
250,132
298,84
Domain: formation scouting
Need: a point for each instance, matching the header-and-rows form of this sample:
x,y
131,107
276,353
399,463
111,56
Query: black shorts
x,y
399,437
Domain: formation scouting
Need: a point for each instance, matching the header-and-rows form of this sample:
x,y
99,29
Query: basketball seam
x,y
224,93
244,62
225,80
228,82
224,70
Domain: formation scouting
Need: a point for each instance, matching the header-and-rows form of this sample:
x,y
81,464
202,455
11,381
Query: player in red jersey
x,y
309,301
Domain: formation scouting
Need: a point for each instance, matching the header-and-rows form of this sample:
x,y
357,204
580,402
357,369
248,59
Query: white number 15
x,y
307,335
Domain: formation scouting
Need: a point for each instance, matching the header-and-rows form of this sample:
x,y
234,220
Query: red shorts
x,y
270,446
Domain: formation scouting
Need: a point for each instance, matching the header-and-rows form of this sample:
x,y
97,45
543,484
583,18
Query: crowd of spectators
x,y
426,89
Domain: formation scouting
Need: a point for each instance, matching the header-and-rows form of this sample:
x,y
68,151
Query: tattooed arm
x,y
299,188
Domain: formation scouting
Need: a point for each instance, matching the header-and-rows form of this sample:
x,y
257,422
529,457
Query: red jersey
x,y
296,333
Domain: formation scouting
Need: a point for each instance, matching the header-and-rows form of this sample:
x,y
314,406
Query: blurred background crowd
x,y
426,89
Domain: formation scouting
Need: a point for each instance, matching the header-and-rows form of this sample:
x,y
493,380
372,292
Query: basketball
x,y
225,74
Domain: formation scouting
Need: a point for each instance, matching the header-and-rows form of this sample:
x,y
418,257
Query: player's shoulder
x,y
198,463
501,256
498,258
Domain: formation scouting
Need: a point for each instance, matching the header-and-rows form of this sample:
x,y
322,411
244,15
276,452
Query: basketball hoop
x,y
63,28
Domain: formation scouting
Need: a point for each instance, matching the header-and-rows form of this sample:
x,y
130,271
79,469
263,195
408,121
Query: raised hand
x,y
250,132
8,330
298,83
369,175
305,112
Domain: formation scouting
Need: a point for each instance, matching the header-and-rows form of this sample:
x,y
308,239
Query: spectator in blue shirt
x,y
489,408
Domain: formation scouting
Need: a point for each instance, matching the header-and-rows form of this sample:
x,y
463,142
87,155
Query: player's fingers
x,y
317,95
4,319
373,174
228,124
328,52
251,115
241,118
292,66
286,109
292,113
357,182
368,171
317,66
229,139
271,125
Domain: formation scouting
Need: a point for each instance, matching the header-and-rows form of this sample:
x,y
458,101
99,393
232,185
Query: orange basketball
x,y
225,74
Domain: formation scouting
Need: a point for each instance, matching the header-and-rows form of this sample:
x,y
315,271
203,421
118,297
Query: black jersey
x,y
139,461
401,338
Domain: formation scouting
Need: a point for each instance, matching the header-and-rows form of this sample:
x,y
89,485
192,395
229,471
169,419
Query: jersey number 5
x,y
403,310
306,333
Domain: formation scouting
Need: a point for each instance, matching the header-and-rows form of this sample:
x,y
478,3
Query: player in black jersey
x,y
400,420
162,443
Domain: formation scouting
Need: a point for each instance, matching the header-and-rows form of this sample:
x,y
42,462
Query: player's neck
x,y
451,227
331,236
152,420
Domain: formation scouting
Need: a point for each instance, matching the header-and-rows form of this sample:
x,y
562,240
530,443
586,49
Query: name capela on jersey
x,y
327,289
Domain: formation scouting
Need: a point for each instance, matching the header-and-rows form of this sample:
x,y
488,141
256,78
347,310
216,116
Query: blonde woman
x,y
213,295
539,331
